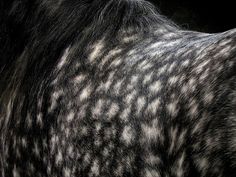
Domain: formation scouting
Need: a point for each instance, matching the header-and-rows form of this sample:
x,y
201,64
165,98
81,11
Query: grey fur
x,y
121,92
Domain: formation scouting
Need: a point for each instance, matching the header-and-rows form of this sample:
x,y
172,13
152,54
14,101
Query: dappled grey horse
x,y
110,88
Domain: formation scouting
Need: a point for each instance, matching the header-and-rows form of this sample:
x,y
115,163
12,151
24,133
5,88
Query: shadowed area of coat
x,y
110,88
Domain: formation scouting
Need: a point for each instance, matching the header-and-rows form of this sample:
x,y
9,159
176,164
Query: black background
x,y
200,15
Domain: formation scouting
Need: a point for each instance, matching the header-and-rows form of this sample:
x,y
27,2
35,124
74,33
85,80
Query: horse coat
x,y
110,88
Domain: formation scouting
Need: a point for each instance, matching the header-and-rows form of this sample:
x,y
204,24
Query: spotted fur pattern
x,y
110,88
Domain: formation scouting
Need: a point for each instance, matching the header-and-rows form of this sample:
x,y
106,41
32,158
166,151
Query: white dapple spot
x,y
96,50
127,135
155,87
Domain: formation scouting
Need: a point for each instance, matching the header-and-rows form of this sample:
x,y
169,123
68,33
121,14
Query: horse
x,y
111,88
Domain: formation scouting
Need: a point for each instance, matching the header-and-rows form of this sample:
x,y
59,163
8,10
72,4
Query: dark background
x,y
201,15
